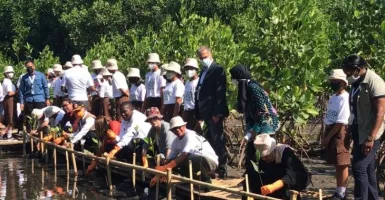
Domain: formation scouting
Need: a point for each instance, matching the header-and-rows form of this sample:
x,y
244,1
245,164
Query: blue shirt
x,y
33,88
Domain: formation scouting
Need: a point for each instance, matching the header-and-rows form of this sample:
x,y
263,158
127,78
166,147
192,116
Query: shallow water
x,y
29,178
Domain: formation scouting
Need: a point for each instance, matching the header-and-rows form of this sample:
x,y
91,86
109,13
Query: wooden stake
x,y
109,174
68,182
31,139
169,186
191,177
293,195
133,170
46,155
74,160
157,177
68,162
74,189
320,194
24,144
42,178
41,144
247,184
54,153
33,166
83,159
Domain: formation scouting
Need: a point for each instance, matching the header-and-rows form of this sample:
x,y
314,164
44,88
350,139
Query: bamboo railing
x,y
168,174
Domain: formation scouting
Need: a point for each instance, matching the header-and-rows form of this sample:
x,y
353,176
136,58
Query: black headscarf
x,y
243,75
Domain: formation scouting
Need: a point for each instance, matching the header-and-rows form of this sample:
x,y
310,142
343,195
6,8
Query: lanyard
x,y
354,92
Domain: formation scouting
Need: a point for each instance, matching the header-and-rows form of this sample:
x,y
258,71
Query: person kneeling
x,y
189,146
281,169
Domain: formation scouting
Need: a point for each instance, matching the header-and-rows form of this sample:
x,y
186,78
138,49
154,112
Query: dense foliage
x,y
289,45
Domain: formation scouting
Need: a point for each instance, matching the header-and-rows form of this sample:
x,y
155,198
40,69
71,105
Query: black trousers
x,y
199,163
126,153
217,140
28,107
153,102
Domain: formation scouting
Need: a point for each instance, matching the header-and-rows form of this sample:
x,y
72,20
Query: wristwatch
x,y
370,139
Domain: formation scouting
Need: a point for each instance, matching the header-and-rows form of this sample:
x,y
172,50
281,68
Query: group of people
x,y
164,115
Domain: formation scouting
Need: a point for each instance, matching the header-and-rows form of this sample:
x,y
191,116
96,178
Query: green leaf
x,y
257,155
312,111
383,26
96,141
256,167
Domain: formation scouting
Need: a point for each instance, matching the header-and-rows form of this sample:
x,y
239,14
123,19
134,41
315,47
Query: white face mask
x,y
352,79
151,66
10,75
170,75
190,73
235,82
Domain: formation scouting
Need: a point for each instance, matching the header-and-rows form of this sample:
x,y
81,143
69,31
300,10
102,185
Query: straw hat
x,y
152,113
96,64
50,71
76,60
177,122
8,69
174,67
134,72
265,144
338,74
57,68
105,72
51,111
112,64
153,58
192,62
67,65
38,113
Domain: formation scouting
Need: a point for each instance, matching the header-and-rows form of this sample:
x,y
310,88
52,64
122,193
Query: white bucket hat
x,y
163,69
38,113
57,68
338,74
134,72
67,65
96,64
177,122
50,71
174,67
153,58
105,72
51,111
8,69
76,60
192,62
265,144
112,64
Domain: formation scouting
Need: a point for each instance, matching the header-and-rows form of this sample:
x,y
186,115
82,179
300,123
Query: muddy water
x,y
29,178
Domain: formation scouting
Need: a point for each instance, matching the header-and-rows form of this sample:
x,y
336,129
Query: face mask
x,y
235,82
206,62
151,66
170,75
335,86
10,75
352,79
190,73
29,70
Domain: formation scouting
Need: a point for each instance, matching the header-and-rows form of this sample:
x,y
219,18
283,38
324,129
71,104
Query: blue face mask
x,y
206,62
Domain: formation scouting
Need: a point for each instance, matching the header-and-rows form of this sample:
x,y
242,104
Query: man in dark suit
x,y
211,105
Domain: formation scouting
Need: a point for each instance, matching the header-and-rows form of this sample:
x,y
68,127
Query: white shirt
x,y
189,94
1,95
172,91
77,80
97,83
84,127
57,92
135,128
154,83
338,109
106,90
51,83
138,93
118,82
8,86
194,144
18,80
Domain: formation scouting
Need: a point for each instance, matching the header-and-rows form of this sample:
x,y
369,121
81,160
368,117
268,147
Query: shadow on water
x,y
29,178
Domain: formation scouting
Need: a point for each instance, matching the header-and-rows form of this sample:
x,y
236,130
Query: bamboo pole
x,y
83,159
108,173
133,170
320,194
42,178
156,172
31,139
67,162
247,184
24,144
68,182
293,195
54,153
74,160
33,166
191,177
41,143
157,177
169,185
75,188
46,155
